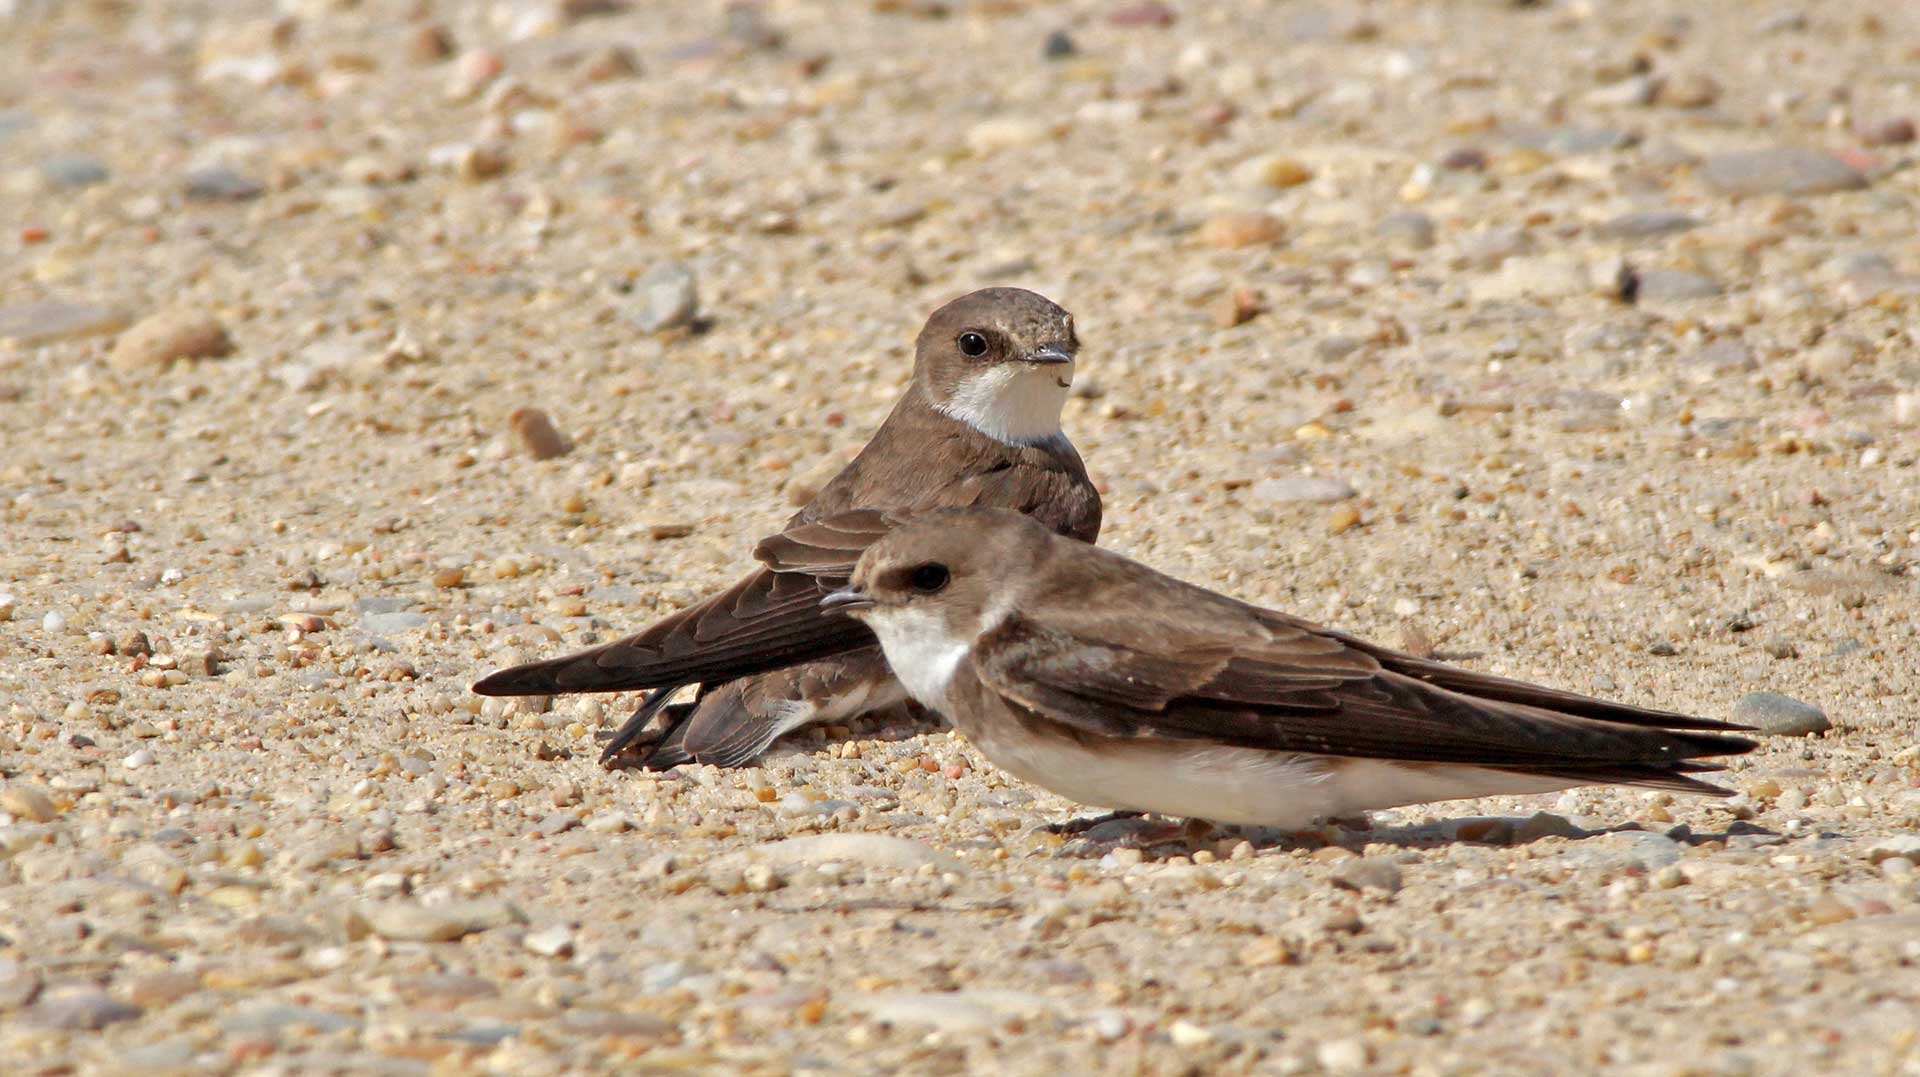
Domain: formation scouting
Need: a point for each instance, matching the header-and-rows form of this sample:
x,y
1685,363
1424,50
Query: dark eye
x,y
973,345
929,578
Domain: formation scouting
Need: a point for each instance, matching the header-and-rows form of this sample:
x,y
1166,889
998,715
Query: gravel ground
x,y
1575,340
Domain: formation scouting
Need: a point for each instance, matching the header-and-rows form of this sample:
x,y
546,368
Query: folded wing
x,y
1264,680
769,620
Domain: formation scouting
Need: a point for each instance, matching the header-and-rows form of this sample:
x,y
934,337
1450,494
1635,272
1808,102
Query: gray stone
x,y
1411,229
47,321
1779,716
557,823
1624,849
1545,825
1316,489
1779,170
386,624
1719,359
83,1009
72,173
272,1017
1646,225
866,850
437,923
382,604
1674,285
1895,847
669,297
167,1056
450,988
952,1011
18,986
623,1025
1579,141
1490,247
1367,873
221,184
1335,348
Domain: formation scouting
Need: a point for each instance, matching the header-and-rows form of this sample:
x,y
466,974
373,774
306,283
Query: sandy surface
x,y
1435,419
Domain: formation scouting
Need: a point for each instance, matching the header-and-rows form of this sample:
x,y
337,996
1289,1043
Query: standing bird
x,y
1113,685
978,426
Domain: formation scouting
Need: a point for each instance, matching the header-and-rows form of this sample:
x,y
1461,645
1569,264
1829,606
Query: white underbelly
x,y
1247,786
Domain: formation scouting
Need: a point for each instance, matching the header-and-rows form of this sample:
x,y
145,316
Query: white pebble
x,y
53,622
142,758
555,941
1344,1056
1185,1033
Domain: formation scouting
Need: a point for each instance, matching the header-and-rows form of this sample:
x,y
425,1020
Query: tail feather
x,y
638,722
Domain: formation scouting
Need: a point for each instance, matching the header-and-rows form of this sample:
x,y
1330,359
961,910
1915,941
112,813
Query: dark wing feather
x,y
768,620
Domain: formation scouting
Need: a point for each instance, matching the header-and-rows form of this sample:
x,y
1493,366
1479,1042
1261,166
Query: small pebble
x,y
667,297
1779,716
1230,231
47,321
1789,170
1893,132
437,923
429,43
167,337
222,185
1311,489
1412,229
472,72
1006,133
555,941
1143,13
27,802
1344,1056
78,1009
1673,285
607,63
1272,170
1646,225
1895,847
72,173
1367,873
1545,825
537,434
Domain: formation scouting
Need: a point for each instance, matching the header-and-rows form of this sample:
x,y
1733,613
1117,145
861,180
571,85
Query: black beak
x,y
1049,355
846,600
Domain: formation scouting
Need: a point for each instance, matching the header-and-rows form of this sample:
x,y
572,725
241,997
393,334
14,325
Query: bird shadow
x,y
1161,837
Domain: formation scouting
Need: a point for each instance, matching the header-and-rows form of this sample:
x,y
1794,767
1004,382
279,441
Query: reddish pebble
x,y
537,434
1859,160
1894,132
33,235
1147,13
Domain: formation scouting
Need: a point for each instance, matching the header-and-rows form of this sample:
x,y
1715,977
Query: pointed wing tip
x,y
493,684
528,680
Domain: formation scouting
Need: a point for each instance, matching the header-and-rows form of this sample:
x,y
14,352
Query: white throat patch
x,y
1012,402
923,654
